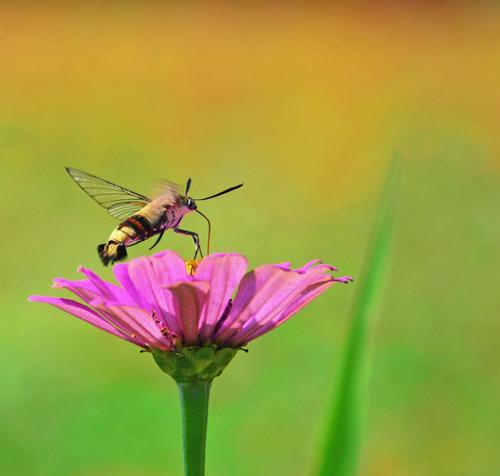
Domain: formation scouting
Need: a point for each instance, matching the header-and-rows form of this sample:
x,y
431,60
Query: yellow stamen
x,y
191,266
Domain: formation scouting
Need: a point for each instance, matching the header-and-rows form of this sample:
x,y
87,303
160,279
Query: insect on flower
x,y
141,217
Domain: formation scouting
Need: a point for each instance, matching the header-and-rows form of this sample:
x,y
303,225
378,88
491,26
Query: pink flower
x,y
160,305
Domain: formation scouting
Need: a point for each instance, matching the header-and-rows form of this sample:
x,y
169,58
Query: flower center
x,y
192,265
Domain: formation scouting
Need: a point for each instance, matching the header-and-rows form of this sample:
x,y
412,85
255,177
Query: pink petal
x,y
144,279
223,272
137,322
259,291
303,283
315,280
285,266
108,291
343,279
189,300
83,288
82,312
265,294
312,292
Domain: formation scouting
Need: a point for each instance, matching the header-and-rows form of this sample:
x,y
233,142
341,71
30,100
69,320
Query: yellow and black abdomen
x,y
134,229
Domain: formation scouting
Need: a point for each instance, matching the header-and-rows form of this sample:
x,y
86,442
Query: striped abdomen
x,y
134,229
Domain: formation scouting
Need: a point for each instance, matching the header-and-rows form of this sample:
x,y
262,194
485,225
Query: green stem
x,y
194,412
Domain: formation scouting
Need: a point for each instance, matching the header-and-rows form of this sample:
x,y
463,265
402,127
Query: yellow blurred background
x,y
306,104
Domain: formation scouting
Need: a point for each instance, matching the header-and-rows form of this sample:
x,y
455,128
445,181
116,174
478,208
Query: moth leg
x,y
160,236
195,238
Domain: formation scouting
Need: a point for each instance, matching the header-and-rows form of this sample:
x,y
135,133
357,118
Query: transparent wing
x,y
166,188
118,201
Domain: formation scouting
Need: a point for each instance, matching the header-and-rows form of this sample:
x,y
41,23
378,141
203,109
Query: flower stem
x,y
194,412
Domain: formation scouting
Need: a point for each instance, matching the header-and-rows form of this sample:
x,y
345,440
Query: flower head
x,y
165,305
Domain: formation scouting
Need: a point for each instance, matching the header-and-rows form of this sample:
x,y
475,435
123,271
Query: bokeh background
x,y
307,105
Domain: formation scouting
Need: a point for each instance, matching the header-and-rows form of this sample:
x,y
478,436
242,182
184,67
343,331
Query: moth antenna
x,y
230,189
209,229
188,185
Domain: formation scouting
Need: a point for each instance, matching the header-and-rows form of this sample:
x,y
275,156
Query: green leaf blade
x,y
342,443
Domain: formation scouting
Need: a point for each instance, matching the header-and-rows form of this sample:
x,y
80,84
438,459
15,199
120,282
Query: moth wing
x,y
118,201
168,191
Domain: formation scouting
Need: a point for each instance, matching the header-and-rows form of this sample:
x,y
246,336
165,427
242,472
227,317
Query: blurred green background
x,y
306,105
